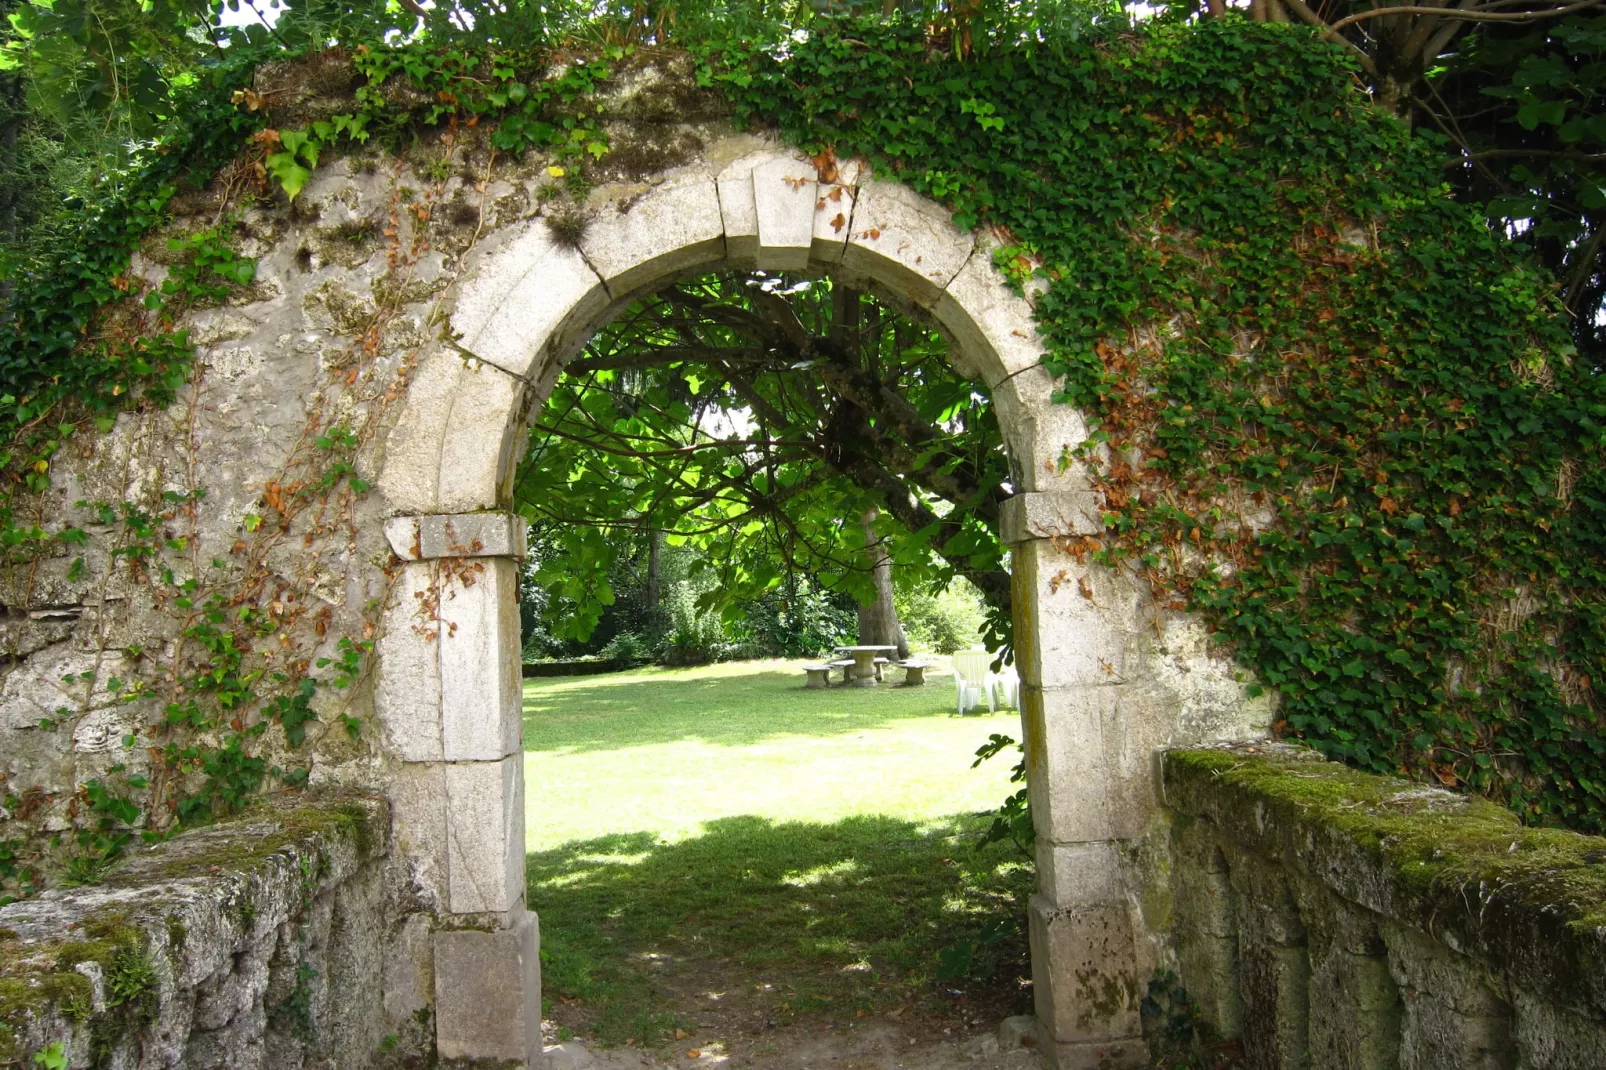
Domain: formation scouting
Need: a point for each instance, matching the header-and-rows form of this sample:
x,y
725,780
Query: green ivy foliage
x,y
1332,411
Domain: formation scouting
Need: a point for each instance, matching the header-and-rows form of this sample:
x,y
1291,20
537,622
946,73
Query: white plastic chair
x,y
973,677
1007,686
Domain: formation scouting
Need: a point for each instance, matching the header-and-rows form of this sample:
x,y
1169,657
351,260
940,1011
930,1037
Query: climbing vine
x,y
1331,412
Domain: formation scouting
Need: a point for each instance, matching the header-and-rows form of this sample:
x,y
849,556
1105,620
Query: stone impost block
x,y
483,441
783,199
672,228
510,321
426,538
407,691
905,242
485,836
488,996
480,674
1084,981
1057,514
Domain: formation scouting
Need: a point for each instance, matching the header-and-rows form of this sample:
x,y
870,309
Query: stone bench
x,y
914,672
819,676
846,665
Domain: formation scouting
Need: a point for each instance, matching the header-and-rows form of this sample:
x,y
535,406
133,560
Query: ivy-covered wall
x,y
1334,415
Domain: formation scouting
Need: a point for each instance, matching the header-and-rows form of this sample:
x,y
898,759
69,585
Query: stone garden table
x,y
864,662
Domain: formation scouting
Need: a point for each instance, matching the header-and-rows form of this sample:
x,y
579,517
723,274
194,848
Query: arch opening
x,y
531,303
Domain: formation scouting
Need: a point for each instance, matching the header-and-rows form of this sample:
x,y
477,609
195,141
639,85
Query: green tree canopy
x,y
760,419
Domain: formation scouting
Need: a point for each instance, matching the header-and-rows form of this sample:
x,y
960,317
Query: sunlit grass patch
x,y
822,844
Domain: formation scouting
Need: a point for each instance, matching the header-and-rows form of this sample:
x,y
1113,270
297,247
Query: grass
x,y
722,826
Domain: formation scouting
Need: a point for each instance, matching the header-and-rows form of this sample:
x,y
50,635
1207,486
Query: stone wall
x,y
258,942
1325,918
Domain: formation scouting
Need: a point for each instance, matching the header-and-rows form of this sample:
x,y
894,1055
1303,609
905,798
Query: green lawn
x,y
724,820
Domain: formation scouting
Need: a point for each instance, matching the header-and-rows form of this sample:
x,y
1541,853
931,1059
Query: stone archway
x,y
449,690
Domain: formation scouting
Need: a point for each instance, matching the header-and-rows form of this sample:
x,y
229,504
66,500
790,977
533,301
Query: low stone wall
x,y
1327,918
253,943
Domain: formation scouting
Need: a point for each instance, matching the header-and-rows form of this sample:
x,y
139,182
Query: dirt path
x,y
729,1018
866,1045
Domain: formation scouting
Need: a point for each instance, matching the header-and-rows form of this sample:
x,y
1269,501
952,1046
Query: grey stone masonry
x,y
1326,918
247,944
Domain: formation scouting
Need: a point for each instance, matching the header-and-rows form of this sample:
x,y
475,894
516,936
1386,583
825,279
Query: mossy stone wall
x,y
1329,918
250,943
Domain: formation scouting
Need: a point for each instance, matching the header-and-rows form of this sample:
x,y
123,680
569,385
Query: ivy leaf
x,y
292,177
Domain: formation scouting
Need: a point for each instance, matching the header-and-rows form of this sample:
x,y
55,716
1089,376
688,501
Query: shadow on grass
x,y
627,709
837,918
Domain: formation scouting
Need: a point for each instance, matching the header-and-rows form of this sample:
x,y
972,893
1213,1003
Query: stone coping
x,y
1528,903
113,954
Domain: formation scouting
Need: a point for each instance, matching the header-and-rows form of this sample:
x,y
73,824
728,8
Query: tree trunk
x,y
654,538
878,621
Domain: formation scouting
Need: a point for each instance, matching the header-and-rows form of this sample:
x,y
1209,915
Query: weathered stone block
x,y
488,995
1273,966
783,198
411,472
1083,982
510,323
1071,873
485,437
1454,1018
1071,618
480,672
407,686
485,836
833,213
1041,433
738,213
424,538
905,242
418,828
1066,778
671,228
1554,1038
1206,926
993,324
1132,1054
